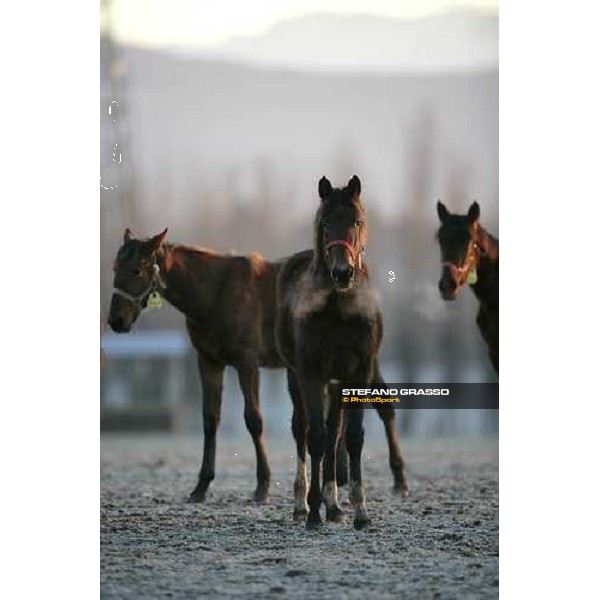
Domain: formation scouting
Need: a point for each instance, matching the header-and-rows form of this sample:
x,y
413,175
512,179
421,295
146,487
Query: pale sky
x,y
206,23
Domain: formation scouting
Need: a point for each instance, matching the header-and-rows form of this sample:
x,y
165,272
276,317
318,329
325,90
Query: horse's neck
x,y
486,288
184,272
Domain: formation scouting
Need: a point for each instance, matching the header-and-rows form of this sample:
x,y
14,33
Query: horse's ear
x,y
442,211
128,236
474,212
154,243
354,186
324,187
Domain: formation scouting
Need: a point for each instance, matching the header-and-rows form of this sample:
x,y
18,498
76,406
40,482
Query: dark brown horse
x,y
329,327
229,305
470,255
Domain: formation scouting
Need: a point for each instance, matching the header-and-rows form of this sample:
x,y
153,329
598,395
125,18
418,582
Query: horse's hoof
x,y
261,496
401,489
361,520
300,514
334,514
197,497
313,520
361,523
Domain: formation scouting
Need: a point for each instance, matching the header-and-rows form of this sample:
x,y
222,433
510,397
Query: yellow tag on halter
x,y
154,300
472,276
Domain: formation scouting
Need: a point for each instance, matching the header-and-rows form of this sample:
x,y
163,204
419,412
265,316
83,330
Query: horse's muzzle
x,y
448,284
342,277
118,325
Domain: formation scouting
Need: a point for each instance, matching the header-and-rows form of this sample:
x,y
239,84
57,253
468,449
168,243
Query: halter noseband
x,y
355,250
461,272
156,283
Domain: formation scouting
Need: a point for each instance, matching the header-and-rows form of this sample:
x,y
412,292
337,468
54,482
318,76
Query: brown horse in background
x,y
229,305
470,255
329,327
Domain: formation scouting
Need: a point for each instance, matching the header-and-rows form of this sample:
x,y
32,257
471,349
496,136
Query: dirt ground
x,y
440,543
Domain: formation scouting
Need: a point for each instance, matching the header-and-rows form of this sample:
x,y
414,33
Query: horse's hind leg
x,y
355,435
388,416
330,492
248,376
211,374
299,431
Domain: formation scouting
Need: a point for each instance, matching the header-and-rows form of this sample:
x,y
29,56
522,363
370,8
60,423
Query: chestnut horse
x,y
329,327
470,255
229,305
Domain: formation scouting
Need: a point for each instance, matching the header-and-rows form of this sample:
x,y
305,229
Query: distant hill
x,y
196,124
460,40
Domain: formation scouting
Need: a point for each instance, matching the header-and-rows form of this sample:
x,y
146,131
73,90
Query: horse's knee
x,y
387,415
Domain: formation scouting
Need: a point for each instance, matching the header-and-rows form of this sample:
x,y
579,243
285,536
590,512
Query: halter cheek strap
x,y
157,282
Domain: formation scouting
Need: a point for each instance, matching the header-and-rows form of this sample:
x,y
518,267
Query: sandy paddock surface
x,y
440,543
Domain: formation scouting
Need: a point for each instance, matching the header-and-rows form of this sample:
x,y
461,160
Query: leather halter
x,y
157,283
461,272
355,250
344,243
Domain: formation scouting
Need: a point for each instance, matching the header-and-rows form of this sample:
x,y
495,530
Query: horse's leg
x,y
341,468
341,465
330,492
313,396
388,416
299,432
248,377
355,434
211,375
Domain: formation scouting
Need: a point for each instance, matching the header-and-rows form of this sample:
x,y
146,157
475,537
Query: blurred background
x,y
217,120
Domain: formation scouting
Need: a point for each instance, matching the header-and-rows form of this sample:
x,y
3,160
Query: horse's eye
x,y
136,272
